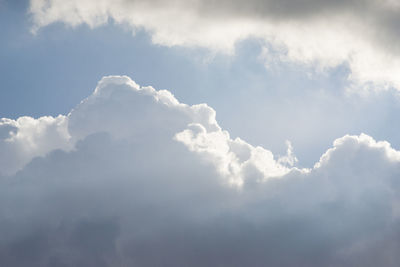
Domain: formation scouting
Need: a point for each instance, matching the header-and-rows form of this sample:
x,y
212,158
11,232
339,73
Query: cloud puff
x,y
26,137
132,177
360,33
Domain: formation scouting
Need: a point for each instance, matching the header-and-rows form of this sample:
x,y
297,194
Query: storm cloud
x,y
132,177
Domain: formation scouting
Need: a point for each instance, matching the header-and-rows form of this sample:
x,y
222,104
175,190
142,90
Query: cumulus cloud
x,y
26,137
132,177
360,33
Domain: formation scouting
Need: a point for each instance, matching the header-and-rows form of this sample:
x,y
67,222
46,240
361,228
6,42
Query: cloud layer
x,y
132,177
362,34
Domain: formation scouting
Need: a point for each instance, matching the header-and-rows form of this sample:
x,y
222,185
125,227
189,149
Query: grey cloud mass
x,y
362,34
138,179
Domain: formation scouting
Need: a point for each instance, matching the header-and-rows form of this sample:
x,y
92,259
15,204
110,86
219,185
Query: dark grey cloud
x,y
281,9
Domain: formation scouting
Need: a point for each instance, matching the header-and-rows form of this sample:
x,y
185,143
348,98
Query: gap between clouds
x,y
320,34
133,177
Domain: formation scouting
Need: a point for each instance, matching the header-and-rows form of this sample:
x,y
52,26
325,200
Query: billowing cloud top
x,y
132,177
360,33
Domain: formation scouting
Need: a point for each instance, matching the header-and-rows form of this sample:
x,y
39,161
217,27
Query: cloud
x,y
322,34
132,177
26,137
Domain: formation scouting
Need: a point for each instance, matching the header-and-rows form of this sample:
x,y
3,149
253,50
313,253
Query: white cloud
x,y
26,137
132,111
322,34
133,177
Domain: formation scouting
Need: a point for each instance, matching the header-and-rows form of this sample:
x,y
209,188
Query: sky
x,y
199,133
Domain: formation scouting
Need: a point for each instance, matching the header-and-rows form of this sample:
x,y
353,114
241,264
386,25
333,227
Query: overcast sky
x,y
199,133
